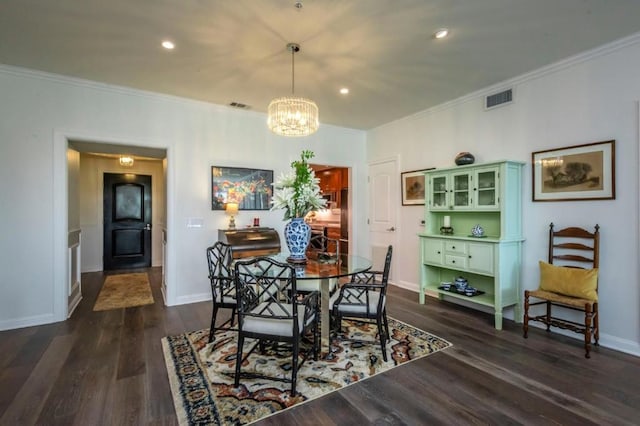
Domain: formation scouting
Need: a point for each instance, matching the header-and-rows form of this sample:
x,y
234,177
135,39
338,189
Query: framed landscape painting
x,y
413,187
250,188
579,172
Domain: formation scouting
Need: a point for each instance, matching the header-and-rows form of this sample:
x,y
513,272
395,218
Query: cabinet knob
x,y
469,256
438,252
453,261
453,247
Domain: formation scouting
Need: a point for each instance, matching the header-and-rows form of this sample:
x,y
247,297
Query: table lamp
x,y
231,209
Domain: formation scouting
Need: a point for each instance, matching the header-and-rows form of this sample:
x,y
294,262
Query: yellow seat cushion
x,y
574,282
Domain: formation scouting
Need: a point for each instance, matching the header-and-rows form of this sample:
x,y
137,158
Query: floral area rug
x,y
202,374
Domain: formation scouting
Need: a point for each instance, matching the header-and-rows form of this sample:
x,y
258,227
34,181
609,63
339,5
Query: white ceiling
x,y
234,50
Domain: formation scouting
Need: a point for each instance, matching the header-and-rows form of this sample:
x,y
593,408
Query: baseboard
x,y
12,324
193,298
406,285
606,340
622,345
73,304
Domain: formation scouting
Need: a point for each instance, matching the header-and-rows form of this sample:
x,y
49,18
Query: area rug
x,y
202,374
124,291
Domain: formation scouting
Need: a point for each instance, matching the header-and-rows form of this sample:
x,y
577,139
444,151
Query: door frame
x,y
396,248
60,222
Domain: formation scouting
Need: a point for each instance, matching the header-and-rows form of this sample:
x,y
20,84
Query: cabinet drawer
x,y
457,247
458,262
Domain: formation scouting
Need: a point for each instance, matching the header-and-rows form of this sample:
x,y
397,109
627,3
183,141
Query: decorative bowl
x,y
477,231
465,158
470,291
445,285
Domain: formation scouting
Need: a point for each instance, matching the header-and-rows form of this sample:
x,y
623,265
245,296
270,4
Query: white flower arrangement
x,y
298,191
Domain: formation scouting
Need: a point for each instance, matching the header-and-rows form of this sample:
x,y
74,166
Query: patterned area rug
x,y
202,374
124,291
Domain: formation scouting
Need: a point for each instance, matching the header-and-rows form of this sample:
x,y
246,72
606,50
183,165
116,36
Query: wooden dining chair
x,y
269,309
364,298
568,282
223,288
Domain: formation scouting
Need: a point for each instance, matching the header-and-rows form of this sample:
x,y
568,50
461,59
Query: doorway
x,y
127,221
335,220
383,199
66,187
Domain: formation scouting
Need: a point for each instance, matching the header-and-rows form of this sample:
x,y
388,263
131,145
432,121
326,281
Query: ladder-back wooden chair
x,y
569,281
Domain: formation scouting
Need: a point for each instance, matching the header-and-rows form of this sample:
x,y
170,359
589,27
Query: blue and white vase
x,y
297,234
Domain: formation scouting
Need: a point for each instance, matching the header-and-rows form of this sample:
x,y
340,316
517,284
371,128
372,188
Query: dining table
x,y
326,268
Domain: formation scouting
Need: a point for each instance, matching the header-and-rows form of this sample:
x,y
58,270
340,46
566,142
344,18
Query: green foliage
x,y
298,192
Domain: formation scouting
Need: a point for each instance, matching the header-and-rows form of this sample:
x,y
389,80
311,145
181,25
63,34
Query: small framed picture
x,y
579,172
413,187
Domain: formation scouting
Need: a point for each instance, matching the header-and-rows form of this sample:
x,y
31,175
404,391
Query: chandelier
x,y
291,115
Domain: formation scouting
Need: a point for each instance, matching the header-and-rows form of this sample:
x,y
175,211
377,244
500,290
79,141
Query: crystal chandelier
x,y
291,115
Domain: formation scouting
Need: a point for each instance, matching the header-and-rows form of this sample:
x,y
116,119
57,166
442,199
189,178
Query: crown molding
x,y
110,88
568,62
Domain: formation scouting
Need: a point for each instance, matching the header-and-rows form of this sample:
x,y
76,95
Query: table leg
x,y
325,325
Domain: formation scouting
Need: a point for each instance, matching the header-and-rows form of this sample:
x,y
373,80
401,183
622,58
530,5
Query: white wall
x,y
92,170
39,112
584,99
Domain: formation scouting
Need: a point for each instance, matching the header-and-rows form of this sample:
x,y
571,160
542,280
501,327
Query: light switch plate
x,y
195,222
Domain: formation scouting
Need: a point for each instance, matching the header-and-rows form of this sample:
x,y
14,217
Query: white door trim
x,y
61,139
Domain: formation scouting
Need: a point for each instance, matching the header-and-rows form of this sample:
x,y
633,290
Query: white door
x,y
384,199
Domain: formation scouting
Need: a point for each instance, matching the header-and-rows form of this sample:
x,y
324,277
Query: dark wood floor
x,y
107,368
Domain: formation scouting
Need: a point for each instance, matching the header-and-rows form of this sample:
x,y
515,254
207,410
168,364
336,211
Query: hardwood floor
x,y
107,368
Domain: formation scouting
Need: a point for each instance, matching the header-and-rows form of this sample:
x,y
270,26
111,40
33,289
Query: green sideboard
x,y
489,195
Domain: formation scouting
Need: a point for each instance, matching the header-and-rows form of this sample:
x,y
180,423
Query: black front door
x,y
127,221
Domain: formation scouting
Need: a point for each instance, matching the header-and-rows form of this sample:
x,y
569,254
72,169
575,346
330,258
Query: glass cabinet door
x,y
460,190
487,188
438,190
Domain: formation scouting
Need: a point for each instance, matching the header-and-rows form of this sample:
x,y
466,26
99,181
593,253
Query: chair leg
x,y
233,316
386,324
587,330
525,319
212,330
238,359
294,365
316,335
596,324
548,319
383,338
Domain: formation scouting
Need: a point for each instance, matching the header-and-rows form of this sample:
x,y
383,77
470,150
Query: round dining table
x,y
326,268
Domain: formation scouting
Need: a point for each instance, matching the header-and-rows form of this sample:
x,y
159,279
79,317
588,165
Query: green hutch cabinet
x,y
489,195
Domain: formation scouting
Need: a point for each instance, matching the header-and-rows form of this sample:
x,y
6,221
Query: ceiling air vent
x,y
239,105
497,99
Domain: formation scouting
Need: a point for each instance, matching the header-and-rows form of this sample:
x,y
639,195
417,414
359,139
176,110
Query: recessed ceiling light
x,y
344,91
168,44
441,33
